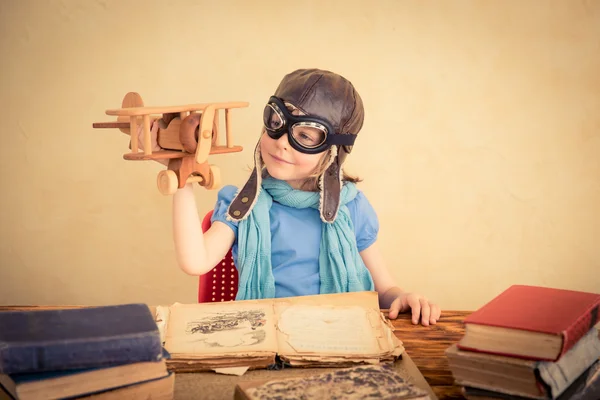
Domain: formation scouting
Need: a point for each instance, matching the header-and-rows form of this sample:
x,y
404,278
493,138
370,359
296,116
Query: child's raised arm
x,y
197,253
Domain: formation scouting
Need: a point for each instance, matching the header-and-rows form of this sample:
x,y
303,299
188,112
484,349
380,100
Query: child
x,y
299,226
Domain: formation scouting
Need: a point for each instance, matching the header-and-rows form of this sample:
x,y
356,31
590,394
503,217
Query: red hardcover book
x,y
531,322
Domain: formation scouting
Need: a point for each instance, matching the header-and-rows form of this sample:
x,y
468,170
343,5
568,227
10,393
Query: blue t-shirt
x,y
296,239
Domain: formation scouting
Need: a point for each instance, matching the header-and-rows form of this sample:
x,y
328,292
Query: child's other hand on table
x,y
428,312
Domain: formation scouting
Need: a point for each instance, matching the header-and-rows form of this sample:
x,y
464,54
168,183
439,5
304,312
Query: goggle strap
x,y
341,139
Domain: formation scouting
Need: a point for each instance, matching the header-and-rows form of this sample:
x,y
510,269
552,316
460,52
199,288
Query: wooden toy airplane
x,y
186,136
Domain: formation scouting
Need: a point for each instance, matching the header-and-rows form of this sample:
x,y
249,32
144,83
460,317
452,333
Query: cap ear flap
x,y
331,188
245,199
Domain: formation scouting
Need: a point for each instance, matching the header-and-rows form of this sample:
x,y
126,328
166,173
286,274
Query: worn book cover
x,y
323,330
585,387
362,382
63,339
531,322
155,389
519,377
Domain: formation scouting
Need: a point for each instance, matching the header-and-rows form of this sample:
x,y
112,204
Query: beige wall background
x,y
480,149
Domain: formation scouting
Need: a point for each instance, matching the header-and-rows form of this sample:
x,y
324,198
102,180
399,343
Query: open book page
x,y
324,330
161,317
384,332
326,326
220,328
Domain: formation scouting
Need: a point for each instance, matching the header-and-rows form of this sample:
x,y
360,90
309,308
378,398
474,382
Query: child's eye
x,y
306,138
275,123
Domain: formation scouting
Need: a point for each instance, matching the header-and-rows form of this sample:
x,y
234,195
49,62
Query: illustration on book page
x,y
226,324
220,329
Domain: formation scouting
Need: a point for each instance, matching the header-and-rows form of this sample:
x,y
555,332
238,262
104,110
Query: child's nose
x,y
283,142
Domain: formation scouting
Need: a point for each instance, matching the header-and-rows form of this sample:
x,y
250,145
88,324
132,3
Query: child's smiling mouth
x,y
280,160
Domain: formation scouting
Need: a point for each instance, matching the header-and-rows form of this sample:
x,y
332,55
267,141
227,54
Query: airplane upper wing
x,y
174,109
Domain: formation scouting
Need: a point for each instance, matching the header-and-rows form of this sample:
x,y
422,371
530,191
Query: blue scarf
x,y
341,268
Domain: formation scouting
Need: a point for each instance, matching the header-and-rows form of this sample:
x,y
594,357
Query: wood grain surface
x,y
426,346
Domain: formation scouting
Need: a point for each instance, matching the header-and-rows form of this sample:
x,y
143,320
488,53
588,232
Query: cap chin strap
x,y
245,199
331,187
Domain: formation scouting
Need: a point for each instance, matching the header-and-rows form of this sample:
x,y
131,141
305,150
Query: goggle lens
x,y
309,135
273,117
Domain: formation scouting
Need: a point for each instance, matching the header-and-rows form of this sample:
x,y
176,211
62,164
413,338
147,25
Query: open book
x,y
322,330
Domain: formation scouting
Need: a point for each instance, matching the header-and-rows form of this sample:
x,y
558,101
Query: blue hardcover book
x,y
64,339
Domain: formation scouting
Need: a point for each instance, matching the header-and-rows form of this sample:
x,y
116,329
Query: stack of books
x,y
110,352
530,342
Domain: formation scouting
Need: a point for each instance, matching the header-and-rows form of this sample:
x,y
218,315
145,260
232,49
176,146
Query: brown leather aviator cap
x,y
322,94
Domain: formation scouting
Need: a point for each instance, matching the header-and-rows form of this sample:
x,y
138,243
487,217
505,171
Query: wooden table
x,y
426,345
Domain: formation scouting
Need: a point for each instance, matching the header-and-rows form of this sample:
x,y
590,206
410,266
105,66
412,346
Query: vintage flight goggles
x,y
306,134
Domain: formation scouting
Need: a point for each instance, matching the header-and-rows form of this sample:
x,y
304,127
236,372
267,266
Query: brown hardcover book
x,y
322,330
372,381
157,389
515,376
67,384
531,322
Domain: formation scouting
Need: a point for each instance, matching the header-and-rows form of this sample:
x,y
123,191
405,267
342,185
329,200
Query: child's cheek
x,y
303,161
307,162
264,146
314,159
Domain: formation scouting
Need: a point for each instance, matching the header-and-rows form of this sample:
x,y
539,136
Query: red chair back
x,y
221,282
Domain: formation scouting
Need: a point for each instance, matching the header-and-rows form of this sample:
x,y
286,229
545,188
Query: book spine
x,y
578,330
66,355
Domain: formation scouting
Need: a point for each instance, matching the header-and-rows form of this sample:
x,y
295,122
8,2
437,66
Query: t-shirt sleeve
x,y
224,198
364,218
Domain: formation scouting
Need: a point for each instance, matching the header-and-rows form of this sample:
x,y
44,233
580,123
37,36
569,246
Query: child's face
x,y
285,163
